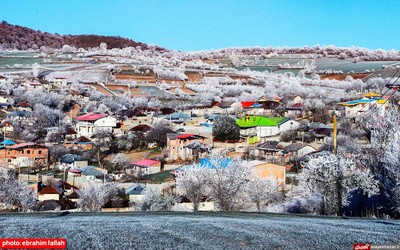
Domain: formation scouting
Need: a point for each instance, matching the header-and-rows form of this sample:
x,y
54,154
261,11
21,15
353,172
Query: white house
x,y
357,107
258,127
88,124
72,161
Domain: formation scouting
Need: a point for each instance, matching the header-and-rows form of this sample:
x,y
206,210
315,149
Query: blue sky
x,y
212,24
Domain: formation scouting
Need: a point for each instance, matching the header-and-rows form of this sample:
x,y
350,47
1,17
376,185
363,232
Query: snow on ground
x,y
200,230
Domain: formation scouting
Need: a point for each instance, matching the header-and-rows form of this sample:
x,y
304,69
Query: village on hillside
x,y
138,129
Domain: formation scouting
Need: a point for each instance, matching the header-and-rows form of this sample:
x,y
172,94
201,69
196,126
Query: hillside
x,y
22,38
170,230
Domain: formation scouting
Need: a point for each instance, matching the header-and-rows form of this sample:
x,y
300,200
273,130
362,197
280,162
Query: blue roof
x,y
178,115
221,162
7,142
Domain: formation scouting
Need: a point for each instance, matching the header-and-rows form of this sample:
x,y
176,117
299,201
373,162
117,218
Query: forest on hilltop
x,y
22,38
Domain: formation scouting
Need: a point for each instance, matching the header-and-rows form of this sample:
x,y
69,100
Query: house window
x,y
9,160
22,151
28,152
40,152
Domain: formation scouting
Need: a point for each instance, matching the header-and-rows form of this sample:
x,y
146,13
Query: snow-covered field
x,y
200,230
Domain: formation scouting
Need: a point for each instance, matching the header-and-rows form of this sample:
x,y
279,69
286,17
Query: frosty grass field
x,y
200,230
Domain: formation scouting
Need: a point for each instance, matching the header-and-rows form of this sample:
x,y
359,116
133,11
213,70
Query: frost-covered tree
x,y
262,191
156,200
225,128
383,156
120,161
334,177
158,134
102,144
227,183
14,193
192,181
130,141
94,196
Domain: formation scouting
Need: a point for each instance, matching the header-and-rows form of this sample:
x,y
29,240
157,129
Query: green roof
x,y
261,121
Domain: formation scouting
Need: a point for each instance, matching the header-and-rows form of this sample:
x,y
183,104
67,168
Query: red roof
x,y
297,105
91,117
22,145
23,104
184,136
75,171
145,163
49,190
247,104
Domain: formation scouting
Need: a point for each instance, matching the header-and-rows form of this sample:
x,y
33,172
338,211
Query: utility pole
x,y
334,134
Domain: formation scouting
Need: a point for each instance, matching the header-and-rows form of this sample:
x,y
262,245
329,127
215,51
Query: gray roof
x,y
70,158
293,147
90,171
269,145
136,189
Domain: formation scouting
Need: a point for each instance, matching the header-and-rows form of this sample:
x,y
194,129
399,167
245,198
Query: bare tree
x,y
226,183
14,193
334,177
120,161
94,196
262,191
192,182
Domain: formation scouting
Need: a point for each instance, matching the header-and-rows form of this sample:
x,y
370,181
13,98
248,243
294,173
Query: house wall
x,y
268,170
305,150
177,148
107,121
49,197
136,198
35,154
289,125
267,131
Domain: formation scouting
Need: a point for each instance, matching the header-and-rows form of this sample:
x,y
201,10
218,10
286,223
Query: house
x,y
258,128
80,176
88,124
142,128
23,154
80,143
54,205
60,81
51,192
146,166
135,193
264,170
355,108
178,145
72,161
296,109
252,107
23,106
178,117
297,150
271,150
8,127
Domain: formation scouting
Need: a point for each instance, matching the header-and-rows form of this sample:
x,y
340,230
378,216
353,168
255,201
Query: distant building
x,y
182,146
146,166
257,128
23,155
88,124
